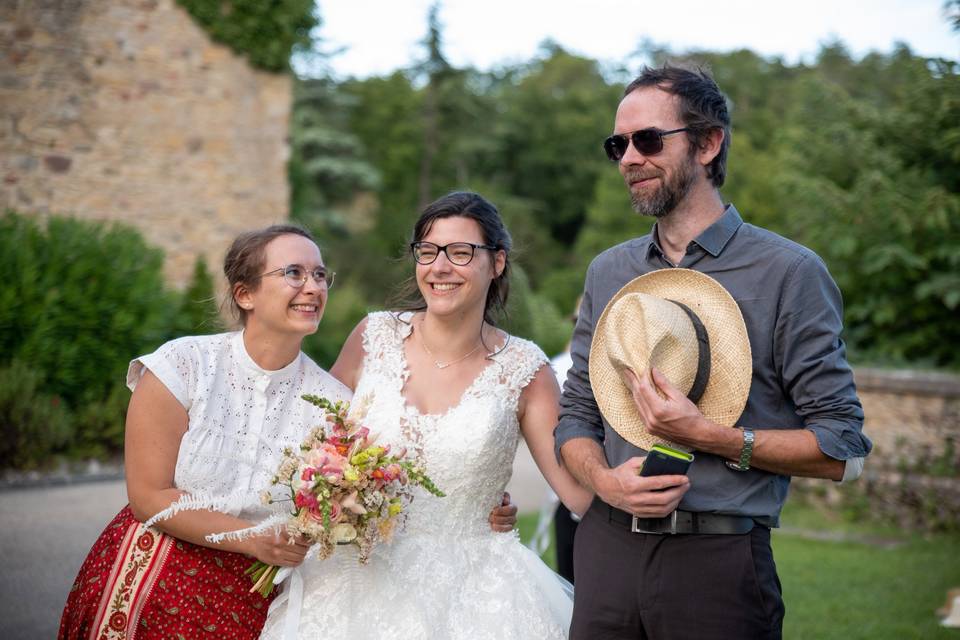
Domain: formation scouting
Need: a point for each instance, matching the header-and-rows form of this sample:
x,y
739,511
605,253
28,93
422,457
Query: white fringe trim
x,y
204,501
274,522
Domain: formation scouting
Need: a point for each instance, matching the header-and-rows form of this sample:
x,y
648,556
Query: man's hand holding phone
x,y
666,461
645,494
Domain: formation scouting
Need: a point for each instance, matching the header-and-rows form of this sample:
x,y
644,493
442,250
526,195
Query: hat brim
x,y
731,363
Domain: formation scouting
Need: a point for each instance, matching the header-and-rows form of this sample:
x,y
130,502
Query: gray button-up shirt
x,y
801,379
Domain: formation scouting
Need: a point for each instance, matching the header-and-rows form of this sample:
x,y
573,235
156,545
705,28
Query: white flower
x,y
359,407
343,532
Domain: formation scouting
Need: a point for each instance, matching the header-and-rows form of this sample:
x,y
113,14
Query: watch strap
x,y
746,451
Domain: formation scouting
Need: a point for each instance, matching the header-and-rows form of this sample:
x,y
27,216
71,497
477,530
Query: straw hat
x,y
643,326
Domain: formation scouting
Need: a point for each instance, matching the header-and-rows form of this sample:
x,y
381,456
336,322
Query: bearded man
x,y
688,555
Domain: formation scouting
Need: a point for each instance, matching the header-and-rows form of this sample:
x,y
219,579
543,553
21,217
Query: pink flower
x,y
317,514
335,510
350,503
305,499
316,457
388,473
333,469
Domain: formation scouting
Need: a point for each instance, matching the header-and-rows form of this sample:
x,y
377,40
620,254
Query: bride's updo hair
x,y
246,258
464,204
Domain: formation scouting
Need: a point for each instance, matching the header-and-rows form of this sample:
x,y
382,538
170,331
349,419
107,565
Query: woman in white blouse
x,y
209,417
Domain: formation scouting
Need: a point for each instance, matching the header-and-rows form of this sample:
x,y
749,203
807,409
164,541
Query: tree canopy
x,y
859,159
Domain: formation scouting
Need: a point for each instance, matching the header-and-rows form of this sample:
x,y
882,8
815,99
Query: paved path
x,y
45,534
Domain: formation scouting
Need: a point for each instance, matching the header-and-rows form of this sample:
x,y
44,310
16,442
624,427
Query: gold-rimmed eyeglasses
x,y
296,275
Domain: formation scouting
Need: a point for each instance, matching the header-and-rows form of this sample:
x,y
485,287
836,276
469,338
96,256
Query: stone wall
x,y
911,416
912,477
125,110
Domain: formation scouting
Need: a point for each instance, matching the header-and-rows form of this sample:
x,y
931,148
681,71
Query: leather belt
x,y
681,522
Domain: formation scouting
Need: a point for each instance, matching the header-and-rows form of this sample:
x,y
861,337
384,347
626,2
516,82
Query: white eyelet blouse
x,y
241,416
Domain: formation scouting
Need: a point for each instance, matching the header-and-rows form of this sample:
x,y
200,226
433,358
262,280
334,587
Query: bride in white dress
x,y
442,380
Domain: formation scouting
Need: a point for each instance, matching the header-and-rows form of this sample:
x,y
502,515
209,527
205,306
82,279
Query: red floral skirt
x,y
141,584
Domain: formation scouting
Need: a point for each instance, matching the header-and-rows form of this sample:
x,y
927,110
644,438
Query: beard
x,y
666,198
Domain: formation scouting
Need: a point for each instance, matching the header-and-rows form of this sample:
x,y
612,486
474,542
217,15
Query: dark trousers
x,y
564,530
673,587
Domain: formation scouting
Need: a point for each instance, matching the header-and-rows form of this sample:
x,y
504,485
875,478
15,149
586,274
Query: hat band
x,y
703,355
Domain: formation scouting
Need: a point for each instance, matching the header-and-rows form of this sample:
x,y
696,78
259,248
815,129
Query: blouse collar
x,y
240,350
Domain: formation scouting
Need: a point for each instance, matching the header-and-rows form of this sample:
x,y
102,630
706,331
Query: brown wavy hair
x,y
247,256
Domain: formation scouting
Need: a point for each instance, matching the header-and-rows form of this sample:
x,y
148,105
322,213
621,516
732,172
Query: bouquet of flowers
x,y
345,487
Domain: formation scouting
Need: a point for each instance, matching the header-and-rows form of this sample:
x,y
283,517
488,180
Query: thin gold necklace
x,y
444,365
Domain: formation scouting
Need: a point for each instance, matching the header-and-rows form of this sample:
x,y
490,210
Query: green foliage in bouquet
x,y
369,459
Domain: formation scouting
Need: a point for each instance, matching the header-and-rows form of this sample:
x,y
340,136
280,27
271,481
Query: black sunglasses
x,y
649,142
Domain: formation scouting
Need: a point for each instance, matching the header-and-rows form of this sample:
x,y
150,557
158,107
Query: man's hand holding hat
x,y
670,415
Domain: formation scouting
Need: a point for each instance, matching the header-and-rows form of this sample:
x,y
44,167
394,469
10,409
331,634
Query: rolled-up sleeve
x,y
811,359
579,415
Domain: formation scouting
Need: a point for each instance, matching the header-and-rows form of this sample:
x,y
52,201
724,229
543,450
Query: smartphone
x,y
666,461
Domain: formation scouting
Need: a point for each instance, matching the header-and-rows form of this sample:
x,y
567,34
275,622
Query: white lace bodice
x,y
469,449
445,575
241,416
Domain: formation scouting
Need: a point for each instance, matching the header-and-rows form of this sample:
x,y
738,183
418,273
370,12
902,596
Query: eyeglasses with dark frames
x,y
458,253
296,275
649,142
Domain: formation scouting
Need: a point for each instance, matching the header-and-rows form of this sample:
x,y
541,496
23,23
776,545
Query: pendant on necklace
x,y
442,365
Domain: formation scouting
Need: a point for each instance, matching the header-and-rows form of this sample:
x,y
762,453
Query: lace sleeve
x,y
525,359
383,343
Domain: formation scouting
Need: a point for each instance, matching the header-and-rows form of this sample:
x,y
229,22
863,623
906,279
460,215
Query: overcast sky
x,y
383,35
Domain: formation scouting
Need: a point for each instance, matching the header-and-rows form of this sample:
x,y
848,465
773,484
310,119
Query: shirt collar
x,y
713,239
248,363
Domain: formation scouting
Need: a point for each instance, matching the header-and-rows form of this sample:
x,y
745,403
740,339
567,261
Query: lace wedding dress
x,y
446,575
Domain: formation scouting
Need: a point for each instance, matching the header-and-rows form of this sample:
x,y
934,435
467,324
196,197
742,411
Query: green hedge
x,y
78,300
267,32
35,423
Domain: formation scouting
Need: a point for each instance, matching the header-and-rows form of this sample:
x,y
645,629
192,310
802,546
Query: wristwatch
x,y
746,452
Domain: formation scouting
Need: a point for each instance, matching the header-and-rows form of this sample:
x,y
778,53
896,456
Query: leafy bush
x,y
78,300
266,31
98,426
198,313
535,317
34,422
346,307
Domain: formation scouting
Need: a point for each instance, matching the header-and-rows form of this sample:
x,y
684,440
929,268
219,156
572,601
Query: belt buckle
x,y
672,529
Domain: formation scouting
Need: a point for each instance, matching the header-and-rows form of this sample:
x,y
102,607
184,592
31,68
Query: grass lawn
x,y
851,581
